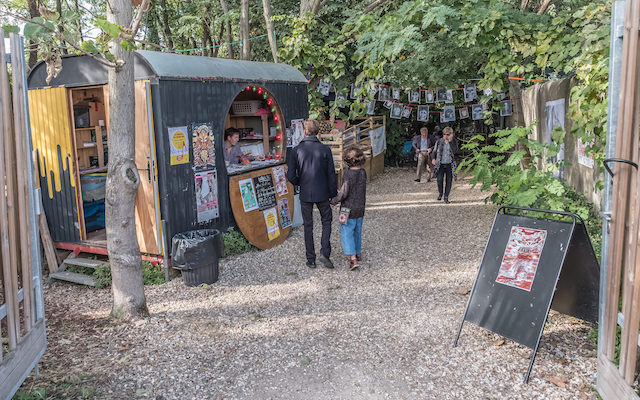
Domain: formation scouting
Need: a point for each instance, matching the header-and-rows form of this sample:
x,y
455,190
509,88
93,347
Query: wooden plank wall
x,y
26,342
623,267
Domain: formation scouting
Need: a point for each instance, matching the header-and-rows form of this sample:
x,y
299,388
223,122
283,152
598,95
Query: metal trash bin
x,y
197,254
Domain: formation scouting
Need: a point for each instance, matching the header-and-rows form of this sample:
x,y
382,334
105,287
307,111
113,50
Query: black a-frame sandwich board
x,y
521,278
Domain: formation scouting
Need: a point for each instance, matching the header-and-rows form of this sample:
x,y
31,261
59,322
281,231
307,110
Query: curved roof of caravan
x,y
86,71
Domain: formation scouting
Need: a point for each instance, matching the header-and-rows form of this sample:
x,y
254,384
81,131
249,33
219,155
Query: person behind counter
x,y
232,151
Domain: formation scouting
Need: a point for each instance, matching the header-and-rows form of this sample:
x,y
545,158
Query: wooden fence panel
x,y
21,302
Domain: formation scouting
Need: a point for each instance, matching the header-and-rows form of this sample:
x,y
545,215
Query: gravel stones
x,y
273,328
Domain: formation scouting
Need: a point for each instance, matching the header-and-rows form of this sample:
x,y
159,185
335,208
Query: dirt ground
x,y
271,328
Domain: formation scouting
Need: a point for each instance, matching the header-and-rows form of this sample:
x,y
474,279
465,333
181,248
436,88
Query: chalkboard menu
x,y
265,191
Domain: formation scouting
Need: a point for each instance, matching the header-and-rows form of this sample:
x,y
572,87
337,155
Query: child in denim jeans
x,y
352,196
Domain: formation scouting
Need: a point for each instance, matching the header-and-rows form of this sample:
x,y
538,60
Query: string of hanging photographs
x,y
390,97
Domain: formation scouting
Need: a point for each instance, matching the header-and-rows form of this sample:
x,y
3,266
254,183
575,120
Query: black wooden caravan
x,y
181,103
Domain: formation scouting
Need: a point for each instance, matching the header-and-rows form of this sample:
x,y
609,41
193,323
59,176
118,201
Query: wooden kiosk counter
x,y
183,104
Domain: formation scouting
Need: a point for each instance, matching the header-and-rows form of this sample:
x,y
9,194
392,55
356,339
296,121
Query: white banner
x,y
378,141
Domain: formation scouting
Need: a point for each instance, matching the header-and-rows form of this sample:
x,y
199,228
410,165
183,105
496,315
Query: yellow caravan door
x,y
56,170
147,209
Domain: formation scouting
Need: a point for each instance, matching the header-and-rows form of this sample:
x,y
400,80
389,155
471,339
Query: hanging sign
x,y
178,145
265,192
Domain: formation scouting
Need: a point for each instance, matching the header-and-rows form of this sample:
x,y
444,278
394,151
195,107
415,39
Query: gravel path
x,y
273,328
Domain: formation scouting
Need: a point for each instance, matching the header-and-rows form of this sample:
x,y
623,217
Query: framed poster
x,y
423,113
464,112
383,93
265,191
178,145
248,195
371,106
428,96
449,96
406,112
476,112
414,96
521,256
470,92
395,93
207,195
506,109
441,94
204,150
271,220
449,113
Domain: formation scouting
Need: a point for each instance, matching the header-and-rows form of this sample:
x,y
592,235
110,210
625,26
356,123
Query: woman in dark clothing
x,y
444,161
352,196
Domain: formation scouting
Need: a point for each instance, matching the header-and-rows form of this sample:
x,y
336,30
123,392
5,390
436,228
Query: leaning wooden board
x,y
261,206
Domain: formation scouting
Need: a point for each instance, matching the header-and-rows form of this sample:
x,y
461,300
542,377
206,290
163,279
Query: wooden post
x,y
23,187
10,295
99,146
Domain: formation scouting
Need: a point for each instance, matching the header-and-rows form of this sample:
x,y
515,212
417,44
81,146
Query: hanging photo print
x,y
521,256
340,97
414,96
464,112
449,96
396,111
502,95
423,113
442,117
383,93
506,109
179,145
428,96
281,180
297,131
271,220
395,93
204,151
352,93
470,92
324,87
387,104
371,106
487,92
374,89
248,195
406,112
206,195
449,113
285,214
441,94
476,112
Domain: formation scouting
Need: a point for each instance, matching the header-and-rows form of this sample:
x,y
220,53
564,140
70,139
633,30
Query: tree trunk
x,y
524,4
266,6
33,46
123,179
206,32
244,29
218,40
60,27
517,116
165,23
543,7
227,27
312,6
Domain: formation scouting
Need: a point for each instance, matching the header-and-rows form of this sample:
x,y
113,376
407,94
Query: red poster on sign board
x,y
521,257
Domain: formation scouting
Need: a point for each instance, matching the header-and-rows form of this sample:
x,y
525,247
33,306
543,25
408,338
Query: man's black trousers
x,y
307,218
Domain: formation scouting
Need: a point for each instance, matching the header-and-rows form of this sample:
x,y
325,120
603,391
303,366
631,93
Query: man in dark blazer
x,y
311,167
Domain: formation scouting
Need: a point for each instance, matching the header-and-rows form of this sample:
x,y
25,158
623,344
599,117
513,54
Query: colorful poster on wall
x,y
204,151
285,215
248,194
583,157
521,257
178,145
207,195
281,180
271,219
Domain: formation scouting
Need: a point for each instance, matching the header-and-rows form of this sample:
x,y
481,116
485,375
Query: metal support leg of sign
x,y
499,308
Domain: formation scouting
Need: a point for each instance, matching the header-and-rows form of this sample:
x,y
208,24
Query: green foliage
x,y
396,135
519,181
235,243
151,275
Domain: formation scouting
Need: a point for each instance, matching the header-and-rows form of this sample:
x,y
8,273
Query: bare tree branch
x,y
61,38
135,23
374,6
543,7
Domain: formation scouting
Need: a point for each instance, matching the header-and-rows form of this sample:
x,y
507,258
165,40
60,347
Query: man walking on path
x,y
422,144
311,167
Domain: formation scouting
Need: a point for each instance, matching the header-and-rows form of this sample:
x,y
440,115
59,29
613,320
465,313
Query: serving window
x,y
259,121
